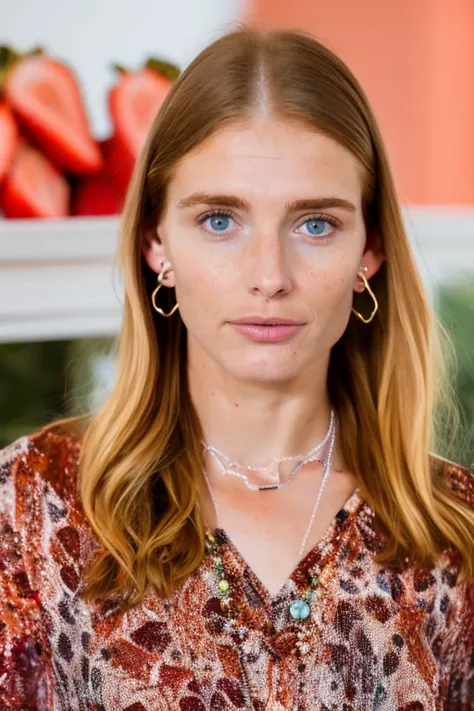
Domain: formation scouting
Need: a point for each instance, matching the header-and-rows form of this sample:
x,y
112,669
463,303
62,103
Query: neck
x,y
254,422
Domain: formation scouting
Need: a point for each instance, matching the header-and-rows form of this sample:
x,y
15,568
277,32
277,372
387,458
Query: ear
x,y
154,254
372,258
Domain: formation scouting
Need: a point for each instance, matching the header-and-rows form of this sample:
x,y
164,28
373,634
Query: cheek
x,y
330,301
204,273
328,290
200,295
341,298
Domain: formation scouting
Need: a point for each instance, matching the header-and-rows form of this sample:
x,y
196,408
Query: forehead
x,y
272,158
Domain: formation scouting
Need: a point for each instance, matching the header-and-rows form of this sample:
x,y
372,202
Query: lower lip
x,y
267,334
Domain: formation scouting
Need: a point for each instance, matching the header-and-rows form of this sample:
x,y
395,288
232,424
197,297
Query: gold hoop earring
x,y
376,304
161,275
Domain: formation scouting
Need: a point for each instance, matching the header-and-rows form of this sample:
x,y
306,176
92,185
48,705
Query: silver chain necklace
x,y
228,467
326,469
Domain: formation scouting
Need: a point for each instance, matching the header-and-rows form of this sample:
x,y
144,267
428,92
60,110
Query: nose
x,y
268,266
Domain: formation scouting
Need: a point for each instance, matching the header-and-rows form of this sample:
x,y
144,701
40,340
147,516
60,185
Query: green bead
x,y
223,586
300,610
314,582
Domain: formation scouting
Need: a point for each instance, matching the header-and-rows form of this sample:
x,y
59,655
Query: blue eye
x,y
218,221
316,226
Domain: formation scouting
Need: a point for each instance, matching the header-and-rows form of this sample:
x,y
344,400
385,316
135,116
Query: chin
x,y
265,370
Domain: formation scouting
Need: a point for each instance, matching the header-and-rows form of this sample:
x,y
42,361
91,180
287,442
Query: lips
x,y
267,330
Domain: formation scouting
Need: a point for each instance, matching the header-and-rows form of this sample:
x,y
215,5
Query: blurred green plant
x,y
455,307
41,381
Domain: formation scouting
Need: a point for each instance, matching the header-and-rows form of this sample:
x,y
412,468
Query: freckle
x,y
212,394
236,404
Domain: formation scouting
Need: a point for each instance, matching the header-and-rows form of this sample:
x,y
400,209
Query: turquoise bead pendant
x,y
300,610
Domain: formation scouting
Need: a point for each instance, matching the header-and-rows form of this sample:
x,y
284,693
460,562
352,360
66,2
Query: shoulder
x,y
457,479
37,476
48,457
40,509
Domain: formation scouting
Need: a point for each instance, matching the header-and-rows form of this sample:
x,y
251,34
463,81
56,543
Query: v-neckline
x,y
350,506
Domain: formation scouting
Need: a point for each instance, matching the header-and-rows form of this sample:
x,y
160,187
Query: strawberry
x,y
95,195
119,166
34,187
45,96
135,100
8,139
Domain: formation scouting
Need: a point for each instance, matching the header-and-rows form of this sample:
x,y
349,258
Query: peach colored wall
x,y
415,60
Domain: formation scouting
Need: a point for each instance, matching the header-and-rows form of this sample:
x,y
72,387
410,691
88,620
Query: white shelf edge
x,y
56,240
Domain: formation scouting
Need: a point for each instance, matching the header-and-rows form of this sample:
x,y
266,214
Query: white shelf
x,y
443,242
59,278
53,240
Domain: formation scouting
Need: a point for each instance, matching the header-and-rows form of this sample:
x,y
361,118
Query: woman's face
x,y
264,221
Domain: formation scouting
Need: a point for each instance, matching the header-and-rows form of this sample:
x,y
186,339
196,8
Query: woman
x,y
253,519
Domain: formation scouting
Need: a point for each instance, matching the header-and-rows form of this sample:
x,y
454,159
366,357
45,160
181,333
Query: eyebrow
x,y
203,198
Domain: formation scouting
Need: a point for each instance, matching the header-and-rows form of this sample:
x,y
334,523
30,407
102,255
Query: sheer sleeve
x,y
460,684
24,677
459,671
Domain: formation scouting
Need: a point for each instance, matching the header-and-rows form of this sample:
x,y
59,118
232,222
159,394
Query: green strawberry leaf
x,y
168,70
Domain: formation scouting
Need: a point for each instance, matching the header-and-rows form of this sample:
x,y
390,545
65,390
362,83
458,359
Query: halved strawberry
x,y
95,195
34,187
8,139
45,95
135,100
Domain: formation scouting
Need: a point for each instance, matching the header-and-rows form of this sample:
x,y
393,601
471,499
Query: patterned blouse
x,y
376,639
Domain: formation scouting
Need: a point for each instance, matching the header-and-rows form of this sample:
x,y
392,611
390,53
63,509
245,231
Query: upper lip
x,y
275,320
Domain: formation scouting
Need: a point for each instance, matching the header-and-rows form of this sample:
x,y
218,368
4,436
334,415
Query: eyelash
x,y
228,213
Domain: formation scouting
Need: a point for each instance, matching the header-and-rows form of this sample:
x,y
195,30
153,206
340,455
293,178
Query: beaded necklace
x,y
299,609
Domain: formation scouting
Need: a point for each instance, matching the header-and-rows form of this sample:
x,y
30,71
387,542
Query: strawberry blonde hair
x,y
141,457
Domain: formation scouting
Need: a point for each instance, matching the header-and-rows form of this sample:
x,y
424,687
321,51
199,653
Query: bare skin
x,y
259,400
